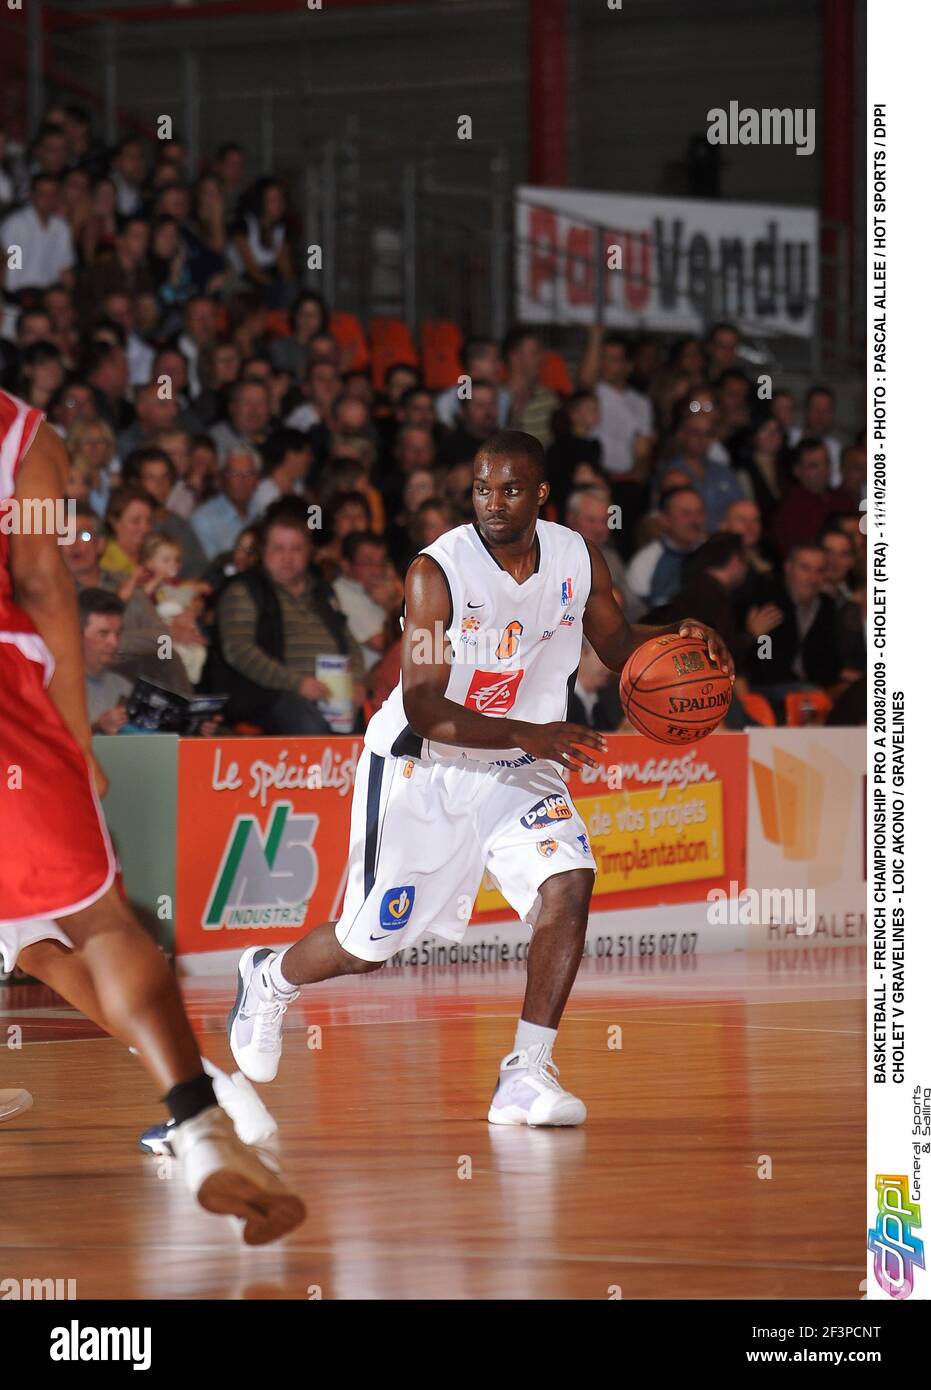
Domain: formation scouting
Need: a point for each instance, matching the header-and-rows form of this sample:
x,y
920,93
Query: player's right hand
x,y
562,743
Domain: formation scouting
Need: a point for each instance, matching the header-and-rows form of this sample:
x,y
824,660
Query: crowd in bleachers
x,y
254,469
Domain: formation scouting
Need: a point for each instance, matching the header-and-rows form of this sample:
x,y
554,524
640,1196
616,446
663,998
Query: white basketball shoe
x,y
528,1092
231,1179
256,1018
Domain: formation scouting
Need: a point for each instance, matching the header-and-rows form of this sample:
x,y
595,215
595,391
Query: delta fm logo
x,y
897,1252
493,692
546,811
396,907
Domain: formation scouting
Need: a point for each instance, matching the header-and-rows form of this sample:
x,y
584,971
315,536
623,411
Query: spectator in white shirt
x,y
198,337
625,427
42,237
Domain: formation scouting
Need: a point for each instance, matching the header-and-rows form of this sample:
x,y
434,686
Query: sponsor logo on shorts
x,y
583,841
493,692
547,848
546,811
396,908
567,621
548,634
566,592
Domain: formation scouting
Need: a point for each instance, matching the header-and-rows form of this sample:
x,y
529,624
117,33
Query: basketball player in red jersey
x,y
61,916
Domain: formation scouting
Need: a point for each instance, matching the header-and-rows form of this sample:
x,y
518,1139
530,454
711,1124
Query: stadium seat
x,y
806,707
758,707
350,335
277,323
391,342
440,346
555,375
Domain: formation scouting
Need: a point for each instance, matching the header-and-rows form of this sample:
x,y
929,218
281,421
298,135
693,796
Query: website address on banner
x,y
643,944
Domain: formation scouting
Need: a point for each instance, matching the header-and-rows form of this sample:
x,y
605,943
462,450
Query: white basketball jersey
x,y
515,647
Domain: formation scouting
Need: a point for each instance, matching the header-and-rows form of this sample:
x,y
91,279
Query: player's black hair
x,y
506,443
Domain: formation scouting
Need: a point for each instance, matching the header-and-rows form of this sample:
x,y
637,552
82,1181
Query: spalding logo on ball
x,y
672,690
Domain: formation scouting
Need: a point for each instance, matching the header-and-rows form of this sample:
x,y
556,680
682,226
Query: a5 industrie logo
x,y
267,875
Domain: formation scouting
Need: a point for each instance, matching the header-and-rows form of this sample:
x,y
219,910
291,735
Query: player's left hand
x,y
717,651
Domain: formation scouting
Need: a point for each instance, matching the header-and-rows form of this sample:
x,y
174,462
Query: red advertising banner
x,y
263,831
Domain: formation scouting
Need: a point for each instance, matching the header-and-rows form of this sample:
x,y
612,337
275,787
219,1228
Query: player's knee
x,y
568,894
355,965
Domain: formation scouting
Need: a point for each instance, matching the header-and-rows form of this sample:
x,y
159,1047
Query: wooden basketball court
x,y
725,1062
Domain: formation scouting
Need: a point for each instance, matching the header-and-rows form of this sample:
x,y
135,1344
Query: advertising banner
x,y
806,837
263,830
263,833
671,264
664,825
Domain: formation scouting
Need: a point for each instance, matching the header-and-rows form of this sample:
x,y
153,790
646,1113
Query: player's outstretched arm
x,y
615,639
425,660
42,586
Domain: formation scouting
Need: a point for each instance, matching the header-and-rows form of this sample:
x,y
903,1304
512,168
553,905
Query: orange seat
x,y
391,342
806,707
245,730
555,375
440,346
350,335
758,707
277,323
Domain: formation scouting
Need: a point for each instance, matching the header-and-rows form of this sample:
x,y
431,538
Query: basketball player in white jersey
x,y
462,773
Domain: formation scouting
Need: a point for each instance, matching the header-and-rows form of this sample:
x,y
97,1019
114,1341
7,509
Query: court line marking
x,y
368,1248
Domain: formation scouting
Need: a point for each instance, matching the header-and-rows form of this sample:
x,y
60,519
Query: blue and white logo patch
x,y
396,908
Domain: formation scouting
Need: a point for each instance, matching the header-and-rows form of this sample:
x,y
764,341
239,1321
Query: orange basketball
x,y
672,690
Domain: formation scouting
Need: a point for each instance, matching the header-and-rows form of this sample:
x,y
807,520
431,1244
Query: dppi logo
x,y
265,882
396,907
549,809
897,1252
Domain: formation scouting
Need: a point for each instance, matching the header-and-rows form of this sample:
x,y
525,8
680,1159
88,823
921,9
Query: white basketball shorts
x,y
422,834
